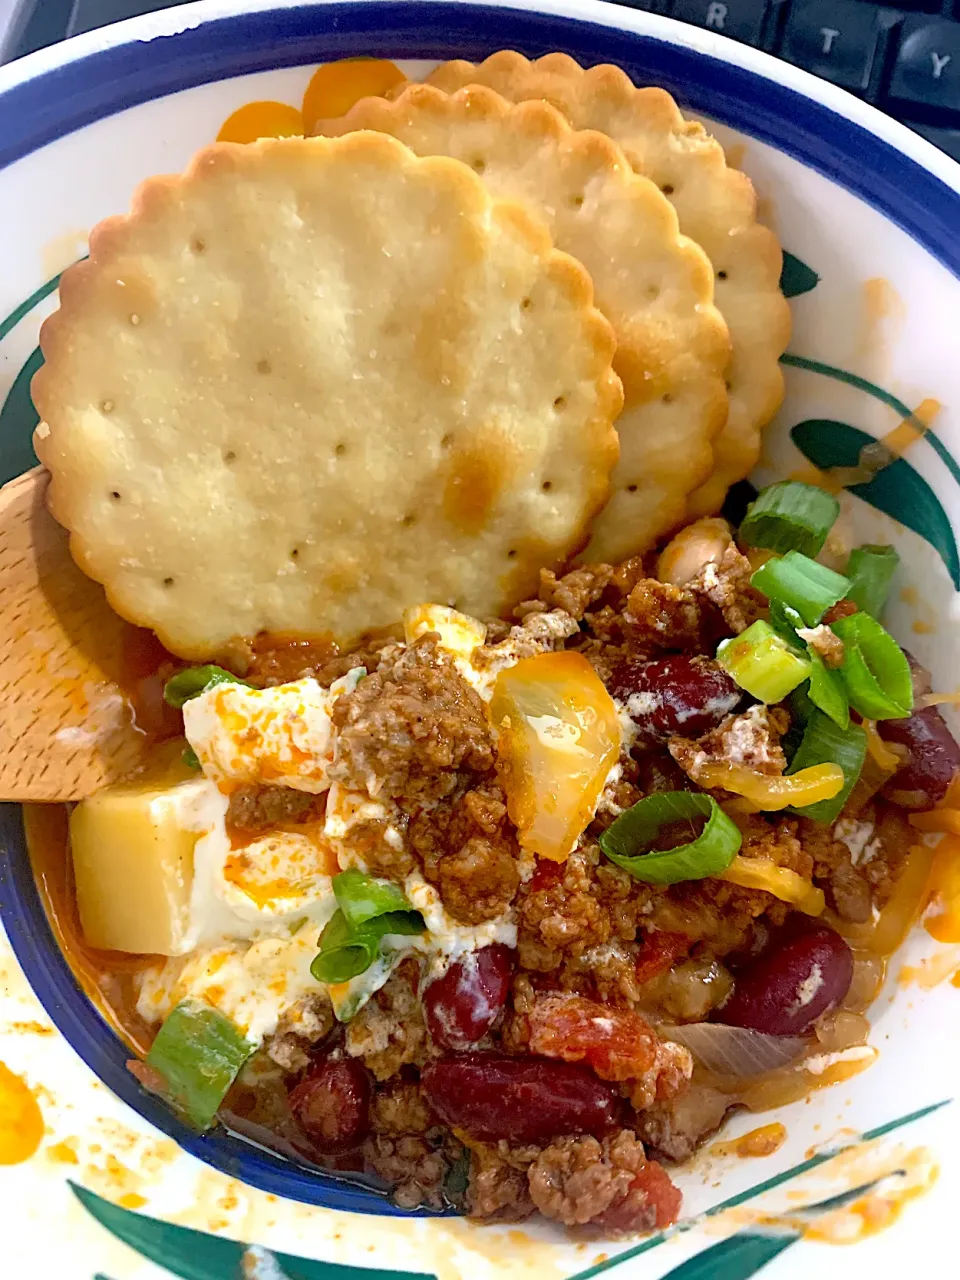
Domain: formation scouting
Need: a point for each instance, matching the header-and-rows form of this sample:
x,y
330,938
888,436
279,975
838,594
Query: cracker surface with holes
x,y
717,208
653,284
312,382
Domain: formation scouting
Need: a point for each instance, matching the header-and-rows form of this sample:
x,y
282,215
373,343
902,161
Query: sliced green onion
x,y
786,621
798,581
346,950
870,570
790,516
826,690
625,841
198,1053
360,897
801,709
875,670
194,681
825,743
348,998
763,663
190,758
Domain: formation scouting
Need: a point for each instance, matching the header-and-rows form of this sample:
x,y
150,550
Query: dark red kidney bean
x,y
491,1096
676,694
332,1102
921,678
800,977
462,1006
921,782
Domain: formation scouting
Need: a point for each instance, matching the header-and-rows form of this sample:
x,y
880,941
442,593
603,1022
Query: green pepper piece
x,y
198,1053
196,680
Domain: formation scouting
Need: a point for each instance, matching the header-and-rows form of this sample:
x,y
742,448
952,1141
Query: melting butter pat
x,y
132,847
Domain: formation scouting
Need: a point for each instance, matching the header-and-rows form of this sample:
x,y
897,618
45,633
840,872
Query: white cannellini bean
x,y
701,543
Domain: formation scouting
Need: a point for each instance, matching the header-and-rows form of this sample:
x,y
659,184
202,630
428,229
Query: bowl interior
x,y
869,226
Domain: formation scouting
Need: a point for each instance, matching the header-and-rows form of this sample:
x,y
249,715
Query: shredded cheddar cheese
x,y
885,756
787,885
775,791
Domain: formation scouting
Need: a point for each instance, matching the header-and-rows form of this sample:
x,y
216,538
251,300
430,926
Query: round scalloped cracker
x,y
313,382
716,205
653,284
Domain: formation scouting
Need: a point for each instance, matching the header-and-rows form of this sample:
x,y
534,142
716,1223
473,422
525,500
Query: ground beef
x,y
498,1188
895,837
574,1180
254,808
414,1167
750,740
777,840
727,586
846,887
575,592
854,885
606,652
399,1107
306,1023
559,912
539,632
370,844
673,1130
408,729
661,616
607,974
828,645
389,1031
721,917
581,905
610,1184
469,851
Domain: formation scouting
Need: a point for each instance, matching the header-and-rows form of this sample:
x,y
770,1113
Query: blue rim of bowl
x,y
67,92
818,127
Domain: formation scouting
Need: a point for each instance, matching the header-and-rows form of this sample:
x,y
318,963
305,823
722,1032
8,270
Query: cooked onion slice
x,y
736,1051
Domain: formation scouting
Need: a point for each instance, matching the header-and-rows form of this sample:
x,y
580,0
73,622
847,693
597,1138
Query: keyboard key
x,y
740,19
89,14
836,39
915,6
947,140
927,69
649,6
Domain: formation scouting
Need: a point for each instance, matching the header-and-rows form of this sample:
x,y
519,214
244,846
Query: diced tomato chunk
x,y
616,1043
547,875
659,952
651,1193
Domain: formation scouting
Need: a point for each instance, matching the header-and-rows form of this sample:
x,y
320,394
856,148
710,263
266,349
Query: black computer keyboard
x,y
904,57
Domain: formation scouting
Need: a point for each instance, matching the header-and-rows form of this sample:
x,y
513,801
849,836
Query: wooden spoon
x,y
66,724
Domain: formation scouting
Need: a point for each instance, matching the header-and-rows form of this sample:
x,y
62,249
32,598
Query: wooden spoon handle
x,y
66,725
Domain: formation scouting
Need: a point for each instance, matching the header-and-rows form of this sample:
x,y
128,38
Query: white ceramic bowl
x,y
870,213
